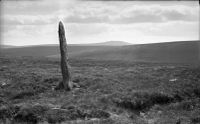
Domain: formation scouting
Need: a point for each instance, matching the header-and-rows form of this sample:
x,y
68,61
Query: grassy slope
x,y
129,92
44,51
174,52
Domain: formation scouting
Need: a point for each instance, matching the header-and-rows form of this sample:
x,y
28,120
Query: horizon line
x,y
97,43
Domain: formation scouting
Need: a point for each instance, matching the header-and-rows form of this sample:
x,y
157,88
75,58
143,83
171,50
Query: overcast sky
x,y
36,22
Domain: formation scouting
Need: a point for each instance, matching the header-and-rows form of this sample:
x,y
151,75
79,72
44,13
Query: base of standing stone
x,y
60,86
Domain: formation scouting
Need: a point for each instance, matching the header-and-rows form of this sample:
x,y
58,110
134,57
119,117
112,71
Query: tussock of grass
x,y
23,94
8,111
74,113
30,113
187,105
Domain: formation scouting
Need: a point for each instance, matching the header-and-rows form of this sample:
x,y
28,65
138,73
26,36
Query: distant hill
x,y
169,52
107,43
7,46
111,43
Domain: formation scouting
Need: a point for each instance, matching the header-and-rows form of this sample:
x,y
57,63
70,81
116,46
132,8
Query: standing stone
x,y
67,84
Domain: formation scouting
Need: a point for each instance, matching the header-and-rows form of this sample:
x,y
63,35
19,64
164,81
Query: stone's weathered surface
x,y
66,83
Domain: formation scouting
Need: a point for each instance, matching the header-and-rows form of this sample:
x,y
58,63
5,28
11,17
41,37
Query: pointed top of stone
x,y
60,23
61,27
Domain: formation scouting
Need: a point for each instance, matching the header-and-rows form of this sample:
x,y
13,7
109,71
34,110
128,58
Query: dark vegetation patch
x,y
23,90
195,120
8,111
30,113
140,101
40,113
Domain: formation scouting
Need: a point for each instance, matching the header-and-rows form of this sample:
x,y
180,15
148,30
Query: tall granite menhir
x,y
66,84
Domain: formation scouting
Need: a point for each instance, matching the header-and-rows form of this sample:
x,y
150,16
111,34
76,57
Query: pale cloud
x,y
131,13
30,35
95,12
29,23
85,29
34,7
27,20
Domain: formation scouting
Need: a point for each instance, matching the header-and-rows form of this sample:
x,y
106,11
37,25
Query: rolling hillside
x,y
170,52
175,52
45,51
110,43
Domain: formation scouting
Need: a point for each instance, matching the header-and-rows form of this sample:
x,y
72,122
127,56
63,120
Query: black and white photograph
x,y
99,62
